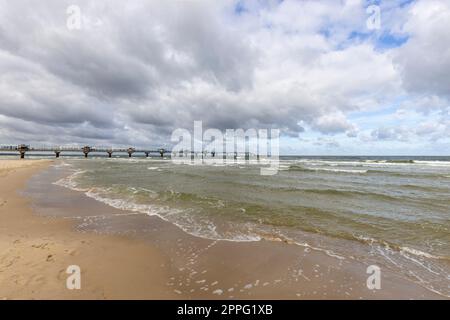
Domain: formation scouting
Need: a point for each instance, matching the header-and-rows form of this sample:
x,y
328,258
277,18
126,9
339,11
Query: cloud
x,y
332,123
424,61
138,70
389,133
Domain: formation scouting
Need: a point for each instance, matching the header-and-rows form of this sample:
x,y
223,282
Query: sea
x,y
389,211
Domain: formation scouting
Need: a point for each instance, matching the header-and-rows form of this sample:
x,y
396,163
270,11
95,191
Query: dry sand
x,y
36,251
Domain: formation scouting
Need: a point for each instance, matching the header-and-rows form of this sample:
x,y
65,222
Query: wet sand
x,y
129,255
36,251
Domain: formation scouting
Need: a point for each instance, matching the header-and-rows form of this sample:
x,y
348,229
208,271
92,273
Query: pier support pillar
x,y
86,150
22,148
130,151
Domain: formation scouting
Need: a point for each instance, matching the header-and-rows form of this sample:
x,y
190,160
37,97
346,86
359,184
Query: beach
x,y
126,254
35,252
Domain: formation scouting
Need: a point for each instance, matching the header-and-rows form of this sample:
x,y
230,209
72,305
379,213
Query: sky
x,y
334,78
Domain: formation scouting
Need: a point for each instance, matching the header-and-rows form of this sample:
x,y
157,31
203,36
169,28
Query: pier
x,y
23,149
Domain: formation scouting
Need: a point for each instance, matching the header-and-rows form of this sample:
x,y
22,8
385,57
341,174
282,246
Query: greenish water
x,y
391,210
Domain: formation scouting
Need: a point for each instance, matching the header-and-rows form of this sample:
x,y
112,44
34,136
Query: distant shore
x,y
35,252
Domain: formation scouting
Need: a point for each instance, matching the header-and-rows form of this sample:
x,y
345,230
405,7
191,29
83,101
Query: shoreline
x,y
36,251
165,264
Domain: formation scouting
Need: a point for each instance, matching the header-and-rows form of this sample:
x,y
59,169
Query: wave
x,y
62,165
179,217
277,237
423,188
428,270
182,218
301,168
376,163
348,193
399,248
207,231
360,169
422,253
436,163
341,170
400,161
412,174
69,181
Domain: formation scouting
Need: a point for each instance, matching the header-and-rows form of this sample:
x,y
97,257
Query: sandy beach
x,y
159,261
35,252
